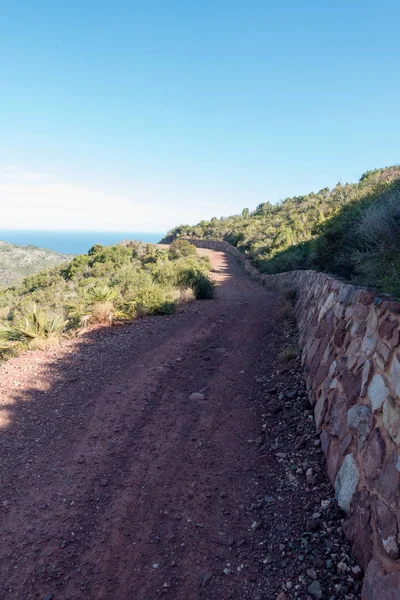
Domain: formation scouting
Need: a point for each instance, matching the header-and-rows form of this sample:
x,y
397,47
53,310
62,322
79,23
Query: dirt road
x,y
117,484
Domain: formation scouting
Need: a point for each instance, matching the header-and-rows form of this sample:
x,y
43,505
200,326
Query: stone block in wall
x,y
358,530
338,310
320,409
333,459
337,418
345,293
351,382
387,327
345,444
382,355
387,527
359,417
370,341
346,482
321,374
365,297
372,458
340,333
380,584
366,374
387,482
391,419
378,392
353,353
328,303
394,376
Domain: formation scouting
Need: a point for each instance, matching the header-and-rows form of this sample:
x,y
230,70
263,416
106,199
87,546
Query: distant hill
x,y
17,262
352,230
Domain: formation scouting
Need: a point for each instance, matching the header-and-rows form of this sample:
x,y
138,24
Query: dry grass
x,y
102,312
185,296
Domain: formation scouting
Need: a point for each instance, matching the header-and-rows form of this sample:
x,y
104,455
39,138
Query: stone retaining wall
x,y
350,351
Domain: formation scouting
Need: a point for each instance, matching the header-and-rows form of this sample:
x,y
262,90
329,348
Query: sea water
x,y
74,242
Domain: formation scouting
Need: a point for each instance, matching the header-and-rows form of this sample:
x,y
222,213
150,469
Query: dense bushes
x,y
107,284
352,230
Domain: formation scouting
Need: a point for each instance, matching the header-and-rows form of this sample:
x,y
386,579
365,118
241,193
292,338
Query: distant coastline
x,y
74,242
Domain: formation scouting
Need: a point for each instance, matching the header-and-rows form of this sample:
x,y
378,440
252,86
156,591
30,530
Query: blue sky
x,y
142,115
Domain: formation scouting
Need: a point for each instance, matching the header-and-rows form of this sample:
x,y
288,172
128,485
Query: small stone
x,y
103,482
315,589
206,578
312,524
282,596
48,597
357,572
281,454
259,440
155,566
268,499
318,562
312,574
309,476
220,350
231,540
342,566
196,396
329,564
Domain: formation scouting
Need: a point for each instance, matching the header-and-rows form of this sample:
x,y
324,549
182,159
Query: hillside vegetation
x,y
107,284
16,262
352,231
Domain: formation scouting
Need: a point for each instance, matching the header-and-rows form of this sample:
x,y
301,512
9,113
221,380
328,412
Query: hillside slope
x,y
109,283
17,262
352,230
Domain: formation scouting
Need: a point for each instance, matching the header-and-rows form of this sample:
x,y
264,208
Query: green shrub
x,y
203,287
181,249
25,328
108,284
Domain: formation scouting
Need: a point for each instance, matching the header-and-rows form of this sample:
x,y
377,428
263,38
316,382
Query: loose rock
x,y
196,396
315,589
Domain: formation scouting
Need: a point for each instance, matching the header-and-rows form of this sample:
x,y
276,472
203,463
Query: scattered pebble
x,y
196,396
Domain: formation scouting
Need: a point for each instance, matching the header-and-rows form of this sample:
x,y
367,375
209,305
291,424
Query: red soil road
x,y
114,484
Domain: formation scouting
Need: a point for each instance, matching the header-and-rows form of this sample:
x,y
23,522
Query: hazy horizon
x,y
74,242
